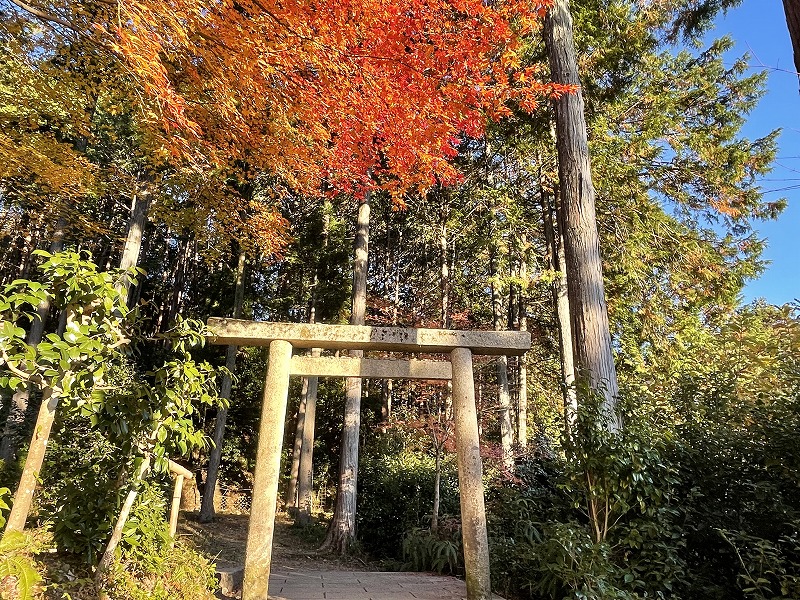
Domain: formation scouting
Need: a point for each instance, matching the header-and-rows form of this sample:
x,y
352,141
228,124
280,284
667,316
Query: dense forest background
x,y
694,497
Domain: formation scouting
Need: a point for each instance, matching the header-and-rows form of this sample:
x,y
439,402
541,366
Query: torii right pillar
x,y
470,478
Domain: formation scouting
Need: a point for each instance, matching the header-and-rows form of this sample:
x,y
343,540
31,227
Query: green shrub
x,y
601,521
79,496
177,572
427,551
396,495
709,511
767,570
19,575
150,566
741,480
543,545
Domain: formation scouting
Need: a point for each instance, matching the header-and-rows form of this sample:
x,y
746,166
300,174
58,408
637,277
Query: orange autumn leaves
x,y
354,93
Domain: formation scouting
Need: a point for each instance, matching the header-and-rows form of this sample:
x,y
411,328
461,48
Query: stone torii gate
x,y
283,337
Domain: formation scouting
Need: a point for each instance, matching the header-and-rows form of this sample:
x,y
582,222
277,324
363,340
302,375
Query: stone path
x,y
364,585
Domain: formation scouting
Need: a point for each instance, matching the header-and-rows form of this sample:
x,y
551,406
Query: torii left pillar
x,y
258,557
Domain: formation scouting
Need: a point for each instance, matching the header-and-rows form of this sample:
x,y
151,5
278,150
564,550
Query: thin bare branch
x,y
45,16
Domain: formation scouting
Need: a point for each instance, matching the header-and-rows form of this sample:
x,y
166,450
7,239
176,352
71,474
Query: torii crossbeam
x,y
283,337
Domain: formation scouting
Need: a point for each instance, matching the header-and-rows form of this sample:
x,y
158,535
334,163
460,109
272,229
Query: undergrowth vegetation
x,y
688,512
150,565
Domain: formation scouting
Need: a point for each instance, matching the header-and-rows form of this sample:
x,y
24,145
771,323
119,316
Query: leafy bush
x,y
599,521
149,565
708,511
544,544
741,511
396,495
114,410
767,570
19,576
18,573
180,573
79,495
427,551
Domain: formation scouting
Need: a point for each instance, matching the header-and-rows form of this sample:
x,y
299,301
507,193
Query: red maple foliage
x,y
355,93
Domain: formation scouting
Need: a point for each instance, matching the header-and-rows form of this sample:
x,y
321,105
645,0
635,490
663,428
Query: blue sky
x,y
759,28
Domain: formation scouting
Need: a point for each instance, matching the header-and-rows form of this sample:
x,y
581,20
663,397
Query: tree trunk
x,y
792,10
437,484
555,243
305,465
309,389
522,325
207,503
594,359
36,451
445,274
178,282
444,271
294,470
133,239
504,397
33,462
15,422
342,529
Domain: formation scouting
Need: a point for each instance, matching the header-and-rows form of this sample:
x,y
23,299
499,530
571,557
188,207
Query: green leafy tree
x,y
134,414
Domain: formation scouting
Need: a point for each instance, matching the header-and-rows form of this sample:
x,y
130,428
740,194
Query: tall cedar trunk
x,y
792,10
305,467
555,244
342,530
14,255
386,409
388,255
522,325
446,287
305,481
15,422
294,470
594,359
445,273
447,405
166,277
512,361
207,503
504,398
309,388
178,281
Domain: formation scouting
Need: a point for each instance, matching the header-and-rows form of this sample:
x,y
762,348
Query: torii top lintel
x,y
361,337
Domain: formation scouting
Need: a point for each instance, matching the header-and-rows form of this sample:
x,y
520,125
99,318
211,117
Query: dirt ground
x,y
224,541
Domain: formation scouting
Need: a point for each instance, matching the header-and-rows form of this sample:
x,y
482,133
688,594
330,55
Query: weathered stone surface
x,y
230,579
330,366
258,554
361,337
470,478
365,585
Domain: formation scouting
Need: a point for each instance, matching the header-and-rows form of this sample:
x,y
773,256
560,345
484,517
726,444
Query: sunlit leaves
x,y
88,368
335,89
